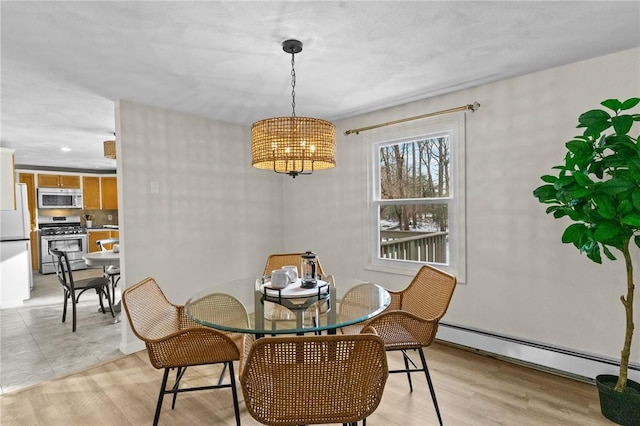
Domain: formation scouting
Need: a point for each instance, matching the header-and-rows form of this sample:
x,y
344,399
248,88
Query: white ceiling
x,y
64,64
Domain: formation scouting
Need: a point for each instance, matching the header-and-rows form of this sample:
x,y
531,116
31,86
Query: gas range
x,y
72,230
63,233
60,225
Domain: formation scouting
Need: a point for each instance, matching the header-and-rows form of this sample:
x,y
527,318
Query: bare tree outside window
x,y
415,192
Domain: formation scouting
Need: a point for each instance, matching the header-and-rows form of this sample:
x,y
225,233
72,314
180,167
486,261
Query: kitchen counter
x,y
103,228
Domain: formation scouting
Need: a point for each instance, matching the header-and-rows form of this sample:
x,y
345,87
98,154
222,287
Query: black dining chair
x,y
112,272
73,289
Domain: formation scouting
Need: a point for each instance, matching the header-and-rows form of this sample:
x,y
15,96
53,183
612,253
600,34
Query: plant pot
x,y
622,408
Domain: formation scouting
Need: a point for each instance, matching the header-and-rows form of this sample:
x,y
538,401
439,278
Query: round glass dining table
x,y
338,302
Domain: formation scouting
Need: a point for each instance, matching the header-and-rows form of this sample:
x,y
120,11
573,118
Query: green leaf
x,y
579,146
593,253
559,213
549,178
632,219
582,178
629,103
612,104
606,231
622,124
636,239
595,116
635,199
625,207
605,206
564,181
608,253
582,193
616,186
574,233
545,193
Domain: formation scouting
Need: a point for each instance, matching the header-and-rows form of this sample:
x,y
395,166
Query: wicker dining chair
x,y
296,380
174,341
411,320
73,288
274,312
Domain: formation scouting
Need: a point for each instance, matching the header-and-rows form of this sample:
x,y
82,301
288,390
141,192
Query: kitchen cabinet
x,y
15,273
91,192
58,181
101,234
109,186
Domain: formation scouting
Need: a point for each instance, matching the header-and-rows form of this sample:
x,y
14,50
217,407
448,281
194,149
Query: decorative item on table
x,y
308,268
292,270
89,220
280,278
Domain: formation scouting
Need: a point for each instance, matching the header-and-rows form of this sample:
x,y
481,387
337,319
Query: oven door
x,y
75,246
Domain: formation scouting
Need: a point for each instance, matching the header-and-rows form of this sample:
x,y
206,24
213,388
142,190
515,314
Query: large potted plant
x,y
598,189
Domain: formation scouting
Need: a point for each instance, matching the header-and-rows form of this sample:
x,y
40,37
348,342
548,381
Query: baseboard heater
x,y
579,365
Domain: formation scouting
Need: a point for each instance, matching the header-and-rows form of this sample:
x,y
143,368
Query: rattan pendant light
x,y
293,145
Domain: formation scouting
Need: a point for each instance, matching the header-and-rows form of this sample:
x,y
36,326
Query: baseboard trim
x,y
561,360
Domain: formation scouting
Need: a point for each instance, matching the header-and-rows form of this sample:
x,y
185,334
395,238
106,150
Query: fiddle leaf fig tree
x,y
598,189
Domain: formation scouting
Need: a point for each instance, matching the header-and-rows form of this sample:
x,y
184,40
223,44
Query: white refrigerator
x,y
15,252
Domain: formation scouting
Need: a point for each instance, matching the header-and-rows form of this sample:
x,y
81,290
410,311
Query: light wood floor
x,y
472,389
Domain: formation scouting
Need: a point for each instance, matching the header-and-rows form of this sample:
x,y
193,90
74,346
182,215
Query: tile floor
x,y
36,346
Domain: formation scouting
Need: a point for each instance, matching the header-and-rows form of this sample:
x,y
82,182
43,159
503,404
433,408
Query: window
x,y
417,205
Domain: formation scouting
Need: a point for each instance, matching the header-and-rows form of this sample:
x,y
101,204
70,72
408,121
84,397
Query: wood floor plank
x,y
472,390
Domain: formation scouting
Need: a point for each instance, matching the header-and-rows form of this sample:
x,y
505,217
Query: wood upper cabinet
x,y
109,193
91,192
58,181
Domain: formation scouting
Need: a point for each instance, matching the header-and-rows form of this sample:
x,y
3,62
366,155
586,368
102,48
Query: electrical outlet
x,y
109,217
154,187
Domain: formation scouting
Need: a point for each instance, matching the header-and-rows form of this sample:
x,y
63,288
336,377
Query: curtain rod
x,y
470,107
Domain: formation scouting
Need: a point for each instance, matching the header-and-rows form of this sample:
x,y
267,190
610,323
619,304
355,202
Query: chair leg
x,y
234,391
221,378
405,358
64,308
106,293
100,293
431,389
161,396
73,311
179,374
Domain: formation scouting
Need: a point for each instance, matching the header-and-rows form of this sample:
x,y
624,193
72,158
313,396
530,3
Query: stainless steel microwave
x,y
59,198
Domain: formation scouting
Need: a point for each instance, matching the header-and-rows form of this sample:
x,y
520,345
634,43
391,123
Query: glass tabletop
x,y
334,303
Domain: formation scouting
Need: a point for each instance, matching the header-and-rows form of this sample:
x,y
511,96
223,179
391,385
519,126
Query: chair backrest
x,y
105,242
150,314
429,293
63,268
222,309
277,261
314,379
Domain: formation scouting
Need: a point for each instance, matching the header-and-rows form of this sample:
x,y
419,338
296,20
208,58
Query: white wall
x,y
213,216
209,214
521,280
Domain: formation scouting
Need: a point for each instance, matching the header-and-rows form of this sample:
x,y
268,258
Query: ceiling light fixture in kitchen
x,y
293,145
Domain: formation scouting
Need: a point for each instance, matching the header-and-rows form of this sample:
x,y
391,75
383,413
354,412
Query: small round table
x,y
372,300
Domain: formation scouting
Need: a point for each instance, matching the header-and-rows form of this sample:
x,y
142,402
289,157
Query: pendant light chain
x,y
293,83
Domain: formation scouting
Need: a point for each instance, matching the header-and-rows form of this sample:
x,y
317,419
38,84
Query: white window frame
x,y
454,126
